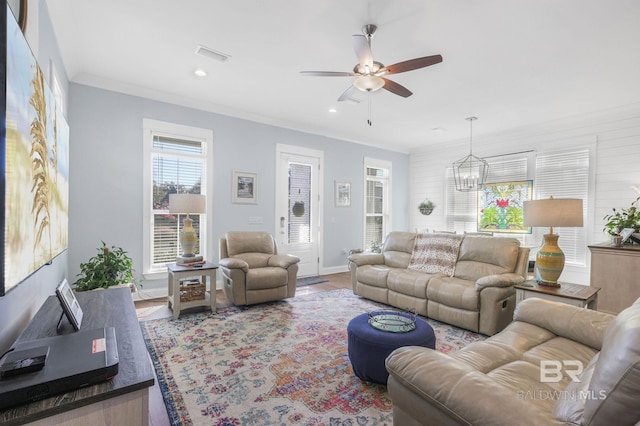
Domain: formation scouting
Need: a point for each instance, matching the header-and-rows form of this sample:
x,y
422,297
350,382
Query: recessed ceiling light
x,y
200,72
333,110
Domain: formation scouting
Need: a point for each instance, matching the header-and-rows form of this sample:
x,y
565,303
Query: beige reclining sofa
x,y
479,296
554,364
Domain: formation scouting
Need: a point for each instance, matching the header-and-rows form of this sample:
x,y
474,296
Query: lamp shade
x,y
187,203
553,212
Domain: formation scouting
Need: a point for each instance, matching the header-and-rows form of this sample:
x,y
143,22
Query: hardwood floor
x,y
158,308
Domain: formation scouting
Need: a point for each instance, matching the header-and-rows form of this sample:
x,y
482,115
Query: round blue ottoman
x,y
369,347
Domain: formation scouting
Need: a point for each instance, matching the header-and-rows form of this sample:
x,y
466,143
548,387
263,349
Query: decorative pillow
x,y
436,253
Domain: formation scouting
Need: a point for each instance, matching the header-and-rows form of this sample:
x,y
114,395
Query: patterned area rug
x,y
281,363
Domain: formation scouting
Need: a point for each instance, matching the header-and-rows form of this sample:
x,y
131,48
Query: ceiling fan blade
x,y
396,88
347,95
413,64
327,73
363,50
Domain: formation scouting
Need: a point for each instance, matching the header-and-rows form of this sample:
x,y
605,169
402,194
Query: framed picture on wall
x,y
244,188
343,194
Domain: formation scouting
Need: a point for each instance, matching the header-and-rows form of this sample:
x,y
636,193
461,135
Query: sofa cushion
x,y
248,242
454,292
373,275
617,372
411,283
397,249
481,256
254,260
264,278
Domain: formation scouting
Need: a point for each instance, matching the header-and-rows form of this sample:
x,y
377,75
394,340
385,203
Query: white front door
x,y
298,206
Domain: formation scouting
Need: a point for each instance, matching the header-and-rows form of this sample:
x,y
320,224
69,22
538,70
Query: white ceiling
x,y
511,63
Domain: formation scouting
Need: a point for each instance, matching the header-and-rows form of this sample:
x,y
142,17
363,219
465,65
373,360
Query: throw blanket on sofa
x,y
436,253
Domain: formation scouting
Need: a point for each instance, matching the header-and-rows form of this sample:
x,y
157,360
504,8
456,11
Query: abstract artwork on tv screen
x,y
36,193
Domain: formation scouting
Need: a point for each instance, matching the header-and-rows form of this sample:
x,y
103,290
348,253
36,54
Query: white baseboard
x,y
334,270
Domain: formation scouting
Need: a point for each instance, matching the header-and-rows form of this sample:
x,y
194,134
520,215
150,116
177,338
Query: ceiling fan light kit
x,y
368,83
369,74
470,172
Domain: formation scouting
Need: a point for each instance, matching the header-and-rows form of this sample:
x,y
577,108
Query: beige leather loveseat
x,y
554,364
479,296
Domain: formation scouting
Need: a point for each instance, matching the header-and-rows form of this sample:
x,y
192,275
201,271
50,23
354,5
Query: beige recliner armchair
x,y
253,271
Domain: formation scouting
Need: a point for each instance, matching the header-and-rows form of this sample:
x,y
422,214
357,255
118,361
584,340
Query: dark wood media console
x,y
122,400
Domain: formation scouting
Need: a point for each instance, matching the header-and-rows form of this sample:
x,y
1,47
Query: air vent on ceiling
x,y
210,53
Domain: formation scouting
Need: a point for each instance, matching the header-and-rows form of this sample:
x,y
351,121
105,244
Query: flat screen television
x,y
35,162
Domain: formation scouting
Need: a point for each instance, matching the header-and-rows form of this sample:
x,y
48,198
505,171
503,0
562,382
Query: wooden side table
x,y
583,296
178,273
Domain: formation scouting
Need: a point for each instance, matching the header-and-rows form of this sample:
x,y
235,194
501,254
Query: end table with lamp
x,y
188,276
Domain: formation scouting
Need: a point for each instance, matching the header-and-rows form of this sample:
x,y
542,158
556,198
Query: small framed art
x,y
244,188
70,305
343,194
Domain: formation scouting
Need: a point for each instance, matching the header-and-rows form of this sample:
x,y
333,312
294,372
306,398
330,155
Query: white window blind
x,y
565,175
377,196
462,207
178,168
299,203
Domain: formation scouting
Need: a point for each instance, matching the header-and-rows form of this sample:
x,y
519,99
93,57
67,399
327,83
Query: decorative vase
x,y
550,261
188,238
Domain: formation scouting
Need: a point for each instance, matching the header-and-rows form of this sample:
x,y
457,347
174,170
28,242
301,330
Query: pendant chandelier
x,y
470,172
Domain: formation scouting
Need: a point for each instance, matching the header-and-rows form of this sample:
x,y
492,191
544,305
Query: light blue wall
x,y
106,157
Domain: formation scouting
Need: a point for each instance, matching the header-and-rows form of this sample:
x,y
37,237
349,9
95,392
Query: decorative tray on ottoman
x,y
392,321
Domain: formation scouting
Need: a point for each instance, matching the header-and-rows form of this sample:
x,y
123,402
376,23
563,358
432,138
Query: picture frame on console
x,y
244,188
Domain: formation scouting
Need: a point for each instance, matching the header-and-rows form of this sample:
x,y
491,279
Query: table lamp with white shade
x,y
552,212
187,204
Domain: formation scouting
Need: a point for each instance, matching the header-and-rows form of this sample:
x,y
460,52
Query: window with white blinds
x,y
462,207
565,175
377,201
178,167
561,174
174,165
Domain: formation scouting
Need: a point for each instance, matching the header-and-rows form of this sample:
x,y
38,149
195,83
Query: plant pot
x,y
426,211
616,240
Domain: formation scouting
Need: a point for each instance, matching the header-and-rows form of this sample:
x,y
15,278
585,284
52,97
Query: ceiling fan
x,y
369,73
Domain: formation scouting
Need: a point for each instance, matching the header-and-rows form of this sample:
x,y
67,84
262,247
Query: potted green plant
x,y
426,207
110,267
623,218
